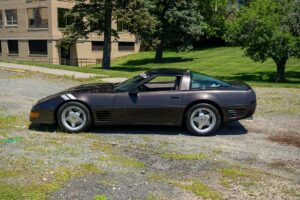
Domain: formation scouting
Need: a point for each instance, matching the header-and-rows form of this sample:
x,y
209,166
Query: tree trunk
x,y
159,53
107,35
280,75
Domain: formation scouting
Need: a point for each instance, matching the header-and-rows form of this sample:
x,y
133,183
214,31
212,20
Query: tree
x,y
215,13
96,16
164,22
268,29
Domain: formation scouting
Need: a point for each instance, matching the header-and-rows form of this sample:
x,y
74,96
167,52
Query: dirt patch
x,y
286,139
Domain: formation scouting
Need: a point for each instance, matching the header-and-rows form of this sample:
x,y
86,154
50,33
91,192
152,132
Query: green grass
x,y
100,197
227,63
91,167
237,175
200,189
39,190
12,121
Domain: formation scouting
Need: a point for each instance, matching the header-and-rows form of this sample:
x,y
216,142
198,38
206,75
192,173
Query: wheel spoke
x,y
78,113
208,116
73,124
201,113
196,119
79,120
200,125
68,119
207,123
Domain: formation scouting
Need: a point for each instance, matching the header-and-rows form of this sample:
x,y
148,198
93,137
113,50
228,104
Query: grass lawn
x,y
227,63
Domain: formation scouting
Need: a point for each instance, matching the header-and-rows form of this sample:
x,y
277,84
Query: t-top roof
x,y
167,71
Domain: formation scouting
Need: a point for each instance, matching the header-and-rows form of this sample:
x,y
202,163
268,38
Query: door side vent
x,y
103,116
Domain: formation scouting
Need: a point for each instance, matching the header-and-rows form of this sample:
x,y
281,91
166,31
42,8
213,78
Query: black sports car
x,y
157,97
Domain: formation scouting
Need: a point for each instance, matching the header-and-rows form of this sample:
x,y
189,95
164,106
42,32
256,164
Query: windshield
x,y
126,85
201,81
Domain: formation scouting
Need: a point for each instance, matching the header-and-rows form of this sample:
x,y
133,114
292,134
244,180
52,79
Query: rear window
x,y
201,81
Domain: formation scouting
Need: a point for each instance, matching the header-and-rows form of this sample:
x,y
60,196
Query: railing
x,y
80,62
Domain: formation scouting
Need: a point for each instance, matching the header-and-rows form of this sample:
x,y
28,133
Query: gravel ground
x,y
256,159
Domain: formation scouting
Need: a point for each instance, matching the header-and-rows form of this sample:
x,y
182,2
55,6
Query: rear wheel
x,y
203,119
74,117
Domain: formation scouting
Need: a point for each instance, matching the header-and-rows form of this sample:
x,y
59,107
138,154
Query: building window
x,y
63,19
37,17
0,48
11,17
97,45
38,47
1,19
126,46
122,26
13,46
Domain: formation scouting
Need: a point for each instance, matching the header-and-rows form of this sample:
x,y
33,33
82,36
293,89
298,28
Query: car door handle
x,y
174,97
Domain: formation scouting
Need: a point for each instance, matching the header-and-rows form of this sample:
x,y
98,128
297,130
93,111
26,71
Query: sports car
x,y
157,97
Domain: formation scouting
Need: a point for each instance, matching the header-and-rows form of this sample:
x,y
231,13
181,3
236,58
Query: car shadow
x,y
232,128
262,77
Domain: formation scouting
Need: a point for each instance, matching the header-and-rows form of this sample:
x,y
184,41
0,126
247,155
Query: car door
x,y
158,107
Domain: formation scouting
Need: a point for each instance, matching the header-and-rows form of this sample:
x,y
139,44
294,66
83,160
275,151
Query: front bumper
x,y
43,117
45,110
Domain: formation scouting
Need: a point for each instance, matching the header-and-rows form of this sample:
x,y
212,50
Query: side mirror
x,y
134,92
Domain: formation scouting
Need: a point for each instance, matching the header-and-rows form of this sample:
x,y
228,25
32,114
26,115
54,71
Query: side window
x,y
201,81
162,83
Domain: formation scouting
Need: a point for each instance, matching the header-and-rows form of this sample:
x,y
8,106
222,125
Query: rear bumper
x,y
232,113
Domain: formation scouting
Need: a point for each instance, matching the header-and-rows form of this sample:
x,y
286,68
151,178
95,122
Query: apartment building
x,y
30,30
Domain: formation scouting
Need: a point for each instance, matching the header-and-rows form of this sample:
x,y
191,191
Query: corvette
x,y
158,97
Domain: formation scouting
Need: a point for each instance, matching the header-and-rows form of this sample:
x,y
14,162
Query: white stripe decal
x,y
71,96
64,97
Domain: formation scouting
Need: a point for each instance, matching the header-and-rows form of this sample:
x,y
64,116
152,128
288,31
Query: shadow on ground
x,y
263,77
136,65
145,61
232,128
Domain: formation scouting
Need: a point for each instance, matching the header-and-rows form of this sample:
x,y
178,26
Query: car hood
x,y
92,88
87,88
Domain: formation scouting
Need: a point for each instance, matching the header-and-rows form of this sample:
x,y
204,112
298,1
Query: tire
x,y
74,117
202,119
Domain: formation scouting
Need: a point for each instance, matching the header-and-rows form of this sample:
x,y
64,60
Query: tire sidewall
x,y
202,105
83,107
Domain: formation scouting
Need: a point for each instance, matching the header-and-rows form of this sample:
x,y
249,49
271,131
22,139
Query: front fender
x,y
46,111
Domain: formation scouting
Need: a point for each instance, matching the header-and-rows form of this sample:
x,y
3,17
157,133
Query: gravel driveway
x,y
257,159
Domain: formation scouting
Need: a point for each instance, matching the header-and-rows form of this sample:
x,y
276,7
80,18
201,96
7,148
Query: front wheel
x,y
203,119
74,117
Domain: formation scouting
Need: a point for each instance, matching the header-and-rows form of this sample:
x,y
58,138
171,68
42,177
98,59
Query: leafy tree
x,y
268,29
215,13
96,16
164,22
